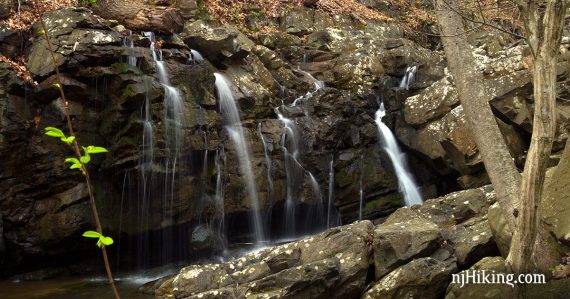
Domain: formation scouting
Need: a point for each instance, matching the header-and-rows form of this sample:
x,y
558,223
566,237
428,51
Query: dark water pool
x,y
76,287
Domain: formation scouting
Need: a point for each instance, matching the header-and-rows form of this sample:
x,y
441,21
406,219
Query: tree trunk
x,y
139,17
475,101
544,32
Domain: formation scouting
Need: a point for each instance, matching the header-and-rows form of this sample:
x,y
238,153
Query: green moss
x,y
125,68
381,203
129,91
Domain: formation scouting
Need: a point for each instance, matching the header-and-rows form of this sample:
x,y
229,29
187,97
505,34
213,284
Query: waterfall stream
x,y
405,180
232,120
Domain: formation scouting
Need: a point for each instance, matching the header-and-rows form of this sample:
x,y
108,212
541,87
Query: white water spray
x,y
230,112
405,179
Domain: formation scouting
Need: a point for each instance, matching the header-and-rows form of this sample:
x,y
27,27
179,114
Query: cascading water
x,y
267,163
405,180
409,77
330,205
128,43
361,194
230,113
317,83
195,56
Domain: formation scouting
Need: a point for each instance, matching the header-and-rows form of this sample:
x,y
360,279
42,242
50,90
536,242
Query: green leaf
x,y
75,164
72,160
95,149
69,140
54,132
92,234
56,86
106,241
85,159
99,243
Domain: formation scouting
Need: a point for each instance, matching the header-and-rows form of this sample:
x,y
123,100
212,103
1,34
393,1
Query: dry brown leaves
x,y
23,20
19,66
237,11
352,7
27,16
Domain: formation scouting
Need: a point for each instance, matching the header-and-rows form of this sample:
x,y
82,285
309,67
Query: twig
x,y
76,149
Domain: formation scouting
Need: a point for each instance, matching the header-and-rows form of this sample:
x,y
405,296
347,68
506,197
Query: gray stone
x,y
472,241
420,278
216,42
399,240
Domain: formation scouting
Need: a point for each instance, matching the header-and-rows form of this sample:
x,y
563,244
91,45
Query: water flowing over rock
x,y
285,144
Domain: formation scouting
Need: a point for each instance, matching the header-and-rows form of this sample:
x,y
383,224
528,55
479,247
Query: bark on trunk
x,y
139,17
475,101
544,32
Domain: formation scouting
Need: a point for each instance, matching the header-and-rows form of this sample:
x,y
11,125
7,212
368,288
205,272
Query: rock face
x,y
421,278
322,75
416,249
414,252
334,263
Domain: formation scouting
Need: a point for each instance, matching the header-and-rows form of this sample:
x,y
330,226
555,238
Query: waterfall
x,y
405,180
127,42
361,195
230,113
267,163
219,223
330,205
409,77
317,83
195,56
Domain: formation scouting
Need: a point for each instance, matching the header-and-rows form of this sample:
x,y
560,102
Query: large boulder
x,y
333,262
472,241
421,278
555,207
216,42
398,241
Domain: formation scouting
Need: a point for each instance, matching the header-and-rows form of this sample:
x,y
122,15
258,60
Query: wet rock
x,y
2,242
197,279
421,278
335,261
204,238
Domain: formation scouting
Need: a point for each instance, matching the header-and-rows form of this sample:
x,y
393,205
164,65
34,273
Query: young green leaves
x,y
57,133
88,151
102,239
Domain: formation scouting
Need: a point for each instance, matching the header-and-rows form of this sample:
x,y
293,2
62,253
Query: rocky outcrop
x,y
413,253
324,74
333,263
440,129
423,277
